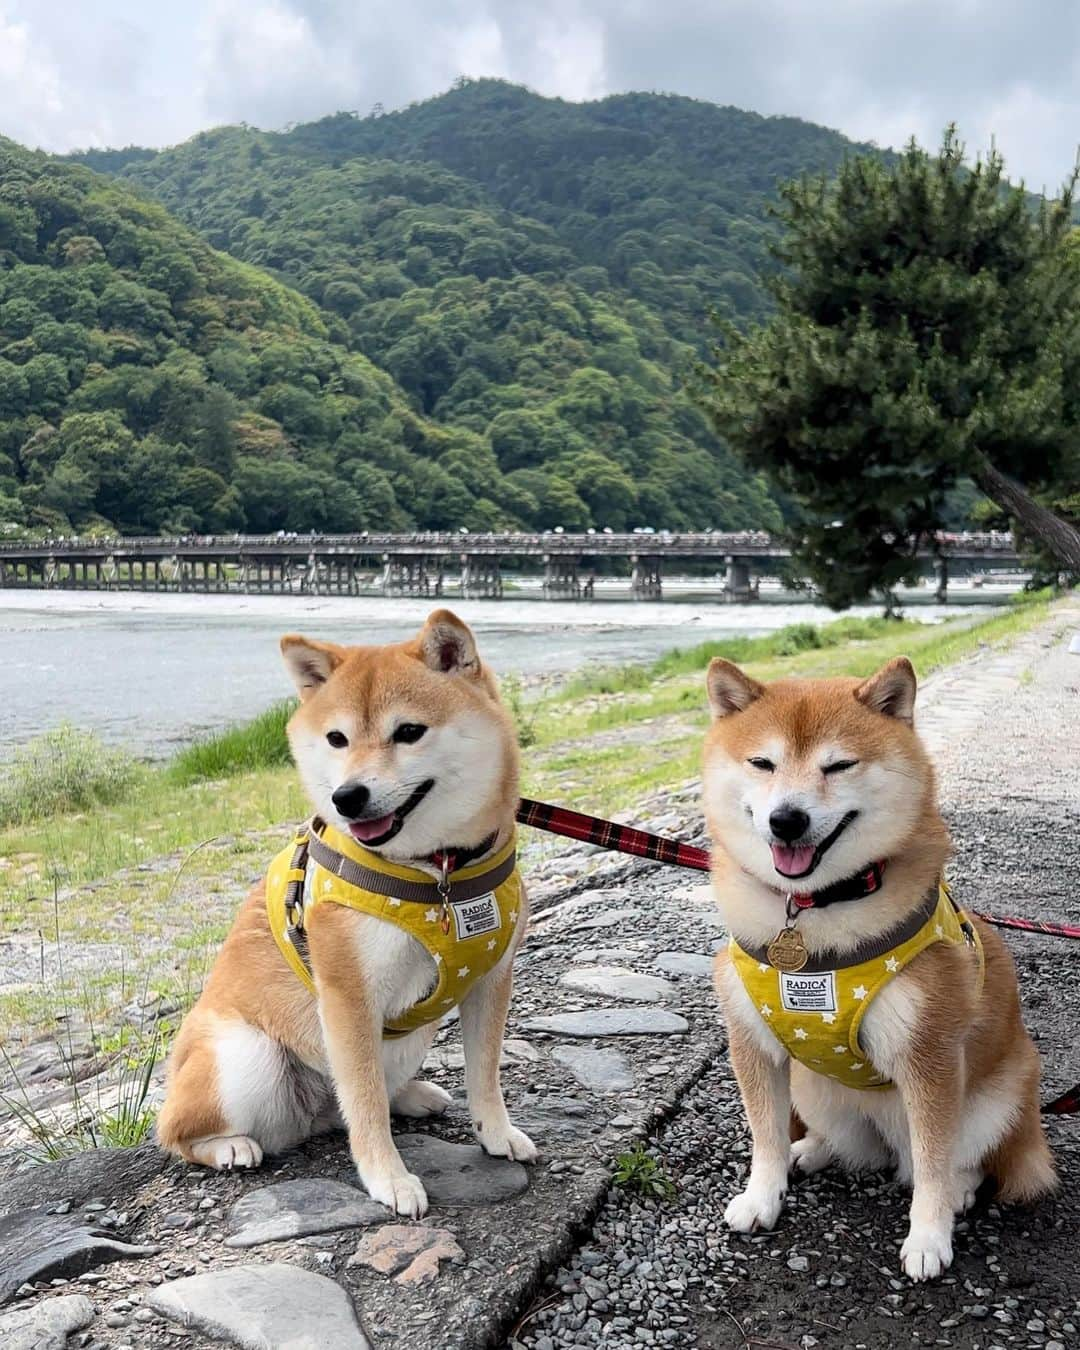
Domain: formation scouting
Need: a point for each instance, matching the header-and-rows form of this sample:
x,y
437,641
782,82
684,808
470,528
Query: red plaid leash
x,y
641,844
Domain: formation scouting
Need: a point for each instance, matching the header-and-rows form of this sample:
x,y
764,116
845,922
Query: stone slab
x,y
45,1326
611,1022
291,1209
598,1068
460,1174
36,1246
617,982
263,1307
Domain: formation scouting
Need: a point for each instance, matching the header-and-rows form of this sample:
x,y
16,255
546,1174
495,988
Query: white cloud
x,y
121,70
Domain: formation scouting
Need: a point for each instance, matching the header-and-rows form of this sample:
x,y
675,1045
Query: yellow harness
x,y
466,921
815,1014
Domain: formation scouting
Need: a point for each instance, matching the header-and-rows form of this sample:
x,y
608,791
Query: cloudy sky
x,y
111,72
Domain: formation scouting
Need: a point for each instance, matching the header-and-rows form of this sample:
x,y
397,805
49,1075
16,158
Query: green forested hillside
x,y
504,294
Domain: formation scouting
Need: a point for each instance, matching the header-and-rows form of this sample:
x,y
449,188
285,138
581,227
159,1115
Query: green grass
x,y
639,1171
258,744
64,770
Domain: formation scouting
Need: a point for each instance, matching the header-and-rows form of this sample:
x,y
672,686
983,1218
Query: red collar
x,y
865,882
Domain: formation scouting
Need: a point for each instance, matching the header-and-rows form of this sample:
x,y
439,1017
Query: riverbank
x,y
631,1073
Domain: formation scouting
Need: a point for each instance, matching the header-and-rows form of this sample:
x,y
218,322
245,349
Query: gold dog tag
x,y
787,951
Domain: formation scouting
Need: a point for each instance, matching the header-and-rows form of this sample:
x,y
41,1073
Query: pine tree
x,y
927,331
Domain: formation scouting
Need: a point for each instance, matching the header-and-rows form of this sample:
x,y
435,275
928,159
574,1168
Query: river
x,y
152,671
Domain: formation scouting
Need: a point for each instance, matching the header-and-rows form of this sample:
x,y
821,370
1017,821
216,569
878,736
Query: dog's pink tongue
x,y
370,829
792,862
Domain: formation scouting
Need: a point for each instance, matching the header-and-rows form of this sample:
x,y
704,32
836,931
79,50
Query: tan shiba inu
x,y
853,988
328,990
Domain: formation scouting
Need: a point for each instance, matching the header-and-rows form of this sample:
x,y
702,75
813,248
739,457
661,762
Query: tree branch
x,y
1060,538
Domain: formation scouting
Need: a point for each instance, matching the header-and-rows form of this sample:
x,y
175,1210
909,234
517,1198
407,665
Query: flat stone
x,y
46,1325
595,1067
409,1252
611,1022
1074,644
291,1209
514,1051
36,1246
608,919
685,963
268,1307
553,1119
603,955
616,982
460,1174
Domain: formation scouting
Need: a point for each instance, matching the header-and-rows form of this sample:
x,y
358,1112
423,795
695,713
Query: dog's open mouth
x,y
381,829
795,861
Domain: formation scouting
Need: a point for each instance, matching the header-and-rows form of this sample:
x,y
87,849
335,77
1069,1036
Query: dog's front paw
x,y
402,1192
754,1208
810,1154
225,1152
418,1099
506,1141
926,1252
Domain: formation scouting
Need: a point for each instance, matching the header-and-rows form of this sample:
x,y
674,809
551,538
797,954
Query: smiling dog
x,y
399,901
853,988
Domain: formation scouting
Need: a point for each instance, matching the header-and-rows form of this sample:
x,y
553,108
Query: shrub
x,y
66,769
258,744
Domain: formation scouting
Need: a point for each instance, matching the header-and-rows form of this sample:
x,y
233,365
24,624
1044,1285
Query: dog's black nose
x,y
786,822
350,799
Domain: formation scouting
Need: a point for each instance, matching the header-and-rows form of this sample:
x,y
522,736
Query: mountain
x,y
520,285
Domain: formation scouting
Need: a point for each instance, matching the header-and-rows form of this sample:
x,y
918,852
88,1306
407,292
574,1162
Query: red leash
x,y
625,839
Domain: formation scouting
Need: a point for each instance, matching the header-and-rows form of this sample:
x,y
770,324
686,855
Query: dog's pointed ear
x,y
448,646
729,689
891,691
310,663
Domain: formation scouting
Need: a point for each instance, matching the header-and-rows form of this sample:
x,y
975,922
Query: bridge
x,y
419,564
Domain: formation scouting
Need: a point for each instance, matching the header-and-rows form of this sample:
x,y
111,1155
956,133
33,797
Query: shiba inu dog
x,y
399,901
853,988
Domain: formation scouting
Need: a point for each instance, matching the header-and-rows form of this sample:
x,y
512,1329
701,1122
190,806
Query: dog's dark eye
x,y
760,762
337,739
838,766
408,733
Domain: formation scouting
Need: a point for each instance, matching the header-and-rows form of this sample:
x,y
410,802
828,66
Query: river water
x,y
152,671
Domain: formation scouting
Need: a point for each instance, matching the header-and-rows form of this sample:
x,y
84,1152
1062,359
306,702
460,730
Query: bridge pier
x,y
738,585
561,579
941,571
411,574
480,577
645,578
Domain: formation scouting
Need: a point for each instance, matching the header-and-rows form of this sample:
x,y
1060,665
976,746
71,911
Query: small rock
x,y
460,1174
256,1307
291,1209
611,1022
798,1263
46,1325
685,963
599,1069
615,982
35,1245
410,1253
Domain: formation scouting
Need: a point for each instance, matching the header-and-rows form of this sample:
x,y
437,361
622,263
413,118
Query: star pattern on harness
x,y
328,885
892,965
463,972
432,915
765,1010
763,967
513,916
800,1034
491,945
828,1018
859,992
393,902
839,1049
939,931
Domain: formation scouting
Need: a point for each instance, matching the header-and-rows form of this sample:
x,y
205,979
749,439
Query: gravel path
x,y
1004,729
